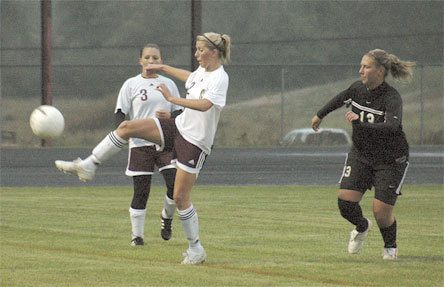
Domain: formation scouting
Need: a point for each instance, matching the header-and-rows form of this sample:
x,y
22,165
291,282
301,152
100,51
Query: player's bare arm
x,y
199,105
177,73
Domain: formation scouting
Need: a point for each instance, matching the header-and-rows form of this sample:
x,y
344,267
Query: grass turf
x,y
254,236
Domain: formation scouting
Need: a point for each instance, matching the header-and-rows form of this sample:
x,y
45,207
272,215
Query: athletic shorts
x,y
189,157
143,160
387,179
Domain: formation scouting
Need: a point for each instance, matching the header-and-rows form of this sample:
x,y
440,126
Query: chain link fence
x,y
264,102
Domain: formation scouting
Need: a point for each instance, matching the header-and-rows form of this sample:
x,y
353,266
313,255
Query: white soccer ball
x,y
47,122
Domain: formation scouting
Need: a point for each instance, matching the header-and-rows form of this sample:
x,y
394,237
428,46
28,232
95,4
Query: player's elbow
x,y
205,106
393,126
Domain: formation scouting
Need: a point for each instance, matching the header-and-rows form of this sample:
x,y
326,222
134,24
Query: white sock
x,y
90,162
137,217
108,147
169,206
190,224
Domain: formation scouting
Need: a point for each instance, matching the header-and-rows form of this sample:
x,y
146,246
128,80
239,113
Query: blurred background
x,y
288,59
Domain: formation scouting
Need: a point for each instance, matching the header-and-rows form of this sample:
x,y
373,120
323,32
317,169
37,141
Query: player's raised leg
x,y
110,146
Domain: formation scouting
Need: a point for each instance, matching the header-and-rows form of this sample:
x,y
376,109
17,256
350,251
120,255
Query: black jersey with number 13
x,y
377,135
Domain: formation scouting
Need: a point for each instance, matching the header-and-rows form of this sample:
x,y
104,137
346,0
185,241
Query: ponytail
x,y
226,51
399,69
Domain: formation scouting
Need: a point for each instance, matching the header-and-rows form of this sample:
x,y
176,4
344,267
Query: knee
x,y
124,129
383,213
179,199
123,126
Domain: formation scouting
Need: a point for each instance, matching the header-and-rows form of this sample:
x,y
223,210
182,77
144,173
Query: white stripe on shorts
x,y
398,190
201,160
343,170
199,165
162,138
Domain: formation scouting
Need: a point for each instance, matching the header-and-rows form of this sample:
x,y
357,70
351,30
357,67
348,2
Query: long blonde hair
x,y
221,42
391,63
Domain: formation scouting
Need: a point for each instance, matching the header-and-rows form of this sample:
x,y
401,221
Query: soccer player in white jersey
x,y
190,135
138,99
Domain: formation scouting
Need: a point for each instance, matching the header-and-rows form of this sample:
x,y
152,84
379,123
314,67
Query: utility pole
x,y
46,57
196,28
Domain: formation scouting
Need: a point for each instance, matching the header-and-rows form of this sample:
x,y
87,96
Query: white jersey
x,y
139,99
199,128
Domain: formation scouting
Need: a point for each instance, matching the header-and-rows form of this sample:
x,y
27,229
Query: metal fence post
x,y
282,100
421,107
46,57
196,29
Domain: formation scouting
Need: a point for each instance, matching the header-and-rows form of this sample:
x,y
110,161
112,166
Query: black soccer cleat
x,y
138,241
165,230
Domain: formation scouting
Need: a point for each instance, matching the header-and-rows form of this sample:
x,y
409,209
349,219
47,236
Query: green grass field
x,y
254,236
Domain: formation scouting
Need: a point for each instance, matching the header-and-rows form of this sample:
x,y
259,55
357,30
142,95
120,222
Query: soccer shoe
x,y
78,167
165,230
193,258
390,253
138,241
357,239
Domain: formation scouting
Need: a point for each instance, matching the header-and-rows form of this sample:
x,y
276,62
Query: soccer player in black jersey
x,y
379,154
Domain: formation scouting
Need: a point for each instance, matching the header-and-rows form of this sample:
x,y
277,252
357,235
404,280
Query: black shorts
x,y
143,160
188,156
361,175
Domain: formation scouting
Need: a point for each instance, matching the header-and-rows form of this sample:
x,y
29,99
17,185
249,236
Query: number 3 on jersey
x,y
144,94
347,171
369,116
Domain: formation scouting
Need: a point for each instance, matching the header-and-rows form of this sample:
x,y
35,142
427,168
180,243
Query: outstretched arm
x,y
177,73
335,103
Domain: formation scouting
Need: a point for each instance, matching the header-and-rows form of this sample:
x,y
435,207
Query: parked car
x,y
324,136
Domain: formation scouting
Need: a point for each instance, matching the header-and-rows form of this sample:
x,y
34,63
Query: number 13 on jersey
x,y
366,117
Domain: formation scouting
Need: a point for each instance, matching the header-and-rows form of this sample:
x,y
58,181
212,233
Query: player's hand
x,y
163,114
351,116
153,68
165,92
315,123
